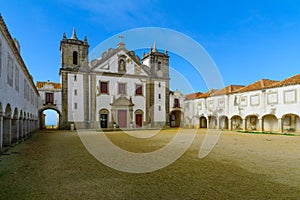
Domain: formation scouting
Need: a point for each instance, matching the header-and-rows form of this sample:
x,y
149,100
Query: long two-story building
x,y
266,105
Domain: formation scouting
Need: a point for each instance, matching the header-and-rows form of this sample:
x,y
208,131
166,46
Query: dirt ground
x,y
56,165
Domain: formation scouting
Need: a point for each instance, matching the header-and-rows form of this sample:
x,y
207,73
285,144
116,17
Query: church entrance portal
x,y
122,118
139,120
103,120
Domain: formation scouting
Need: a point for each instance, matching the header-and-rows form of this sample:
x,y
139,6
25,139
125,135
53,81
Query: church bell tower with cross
x,y
74,61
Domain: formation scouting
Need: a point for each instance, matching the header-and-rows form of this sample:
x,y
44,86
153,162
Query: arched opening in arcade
x,y
50,119
236,123
290,123
223,122
202,122
175,118
270,123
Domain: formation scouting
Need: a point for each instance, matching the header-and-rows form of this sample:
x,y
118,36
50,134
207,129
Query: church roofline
x,y
12,45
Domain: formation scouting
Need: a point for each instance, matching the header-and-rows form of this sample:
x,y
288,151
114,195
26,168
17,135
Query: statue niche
x,y
122,64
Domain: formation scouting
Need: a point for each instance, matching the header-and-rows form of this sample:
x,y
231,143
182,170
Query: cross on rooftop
x,y
121,38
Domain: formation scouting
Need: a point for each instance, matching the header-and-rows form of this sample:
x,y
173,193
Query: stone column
x,y
20,128
9,131
1,130
280,125
244,124
93,100
229,124
24,127
64,101
86,101
207,123
17,129
218,123
260,124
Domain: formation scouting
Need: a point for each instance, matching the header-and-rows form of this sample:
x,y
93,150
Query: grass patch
x,y
267,133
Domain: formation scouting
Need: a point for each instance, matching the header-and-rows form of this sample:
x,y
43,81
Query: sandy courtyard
x,y
56,165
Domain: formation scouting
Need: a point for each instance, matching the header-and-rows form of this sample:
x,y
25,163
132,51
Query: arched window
x,y
159,66
75,58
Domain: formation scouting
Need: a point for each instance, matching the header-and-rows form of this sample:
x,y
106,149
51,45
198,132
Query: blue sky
x,y
247,40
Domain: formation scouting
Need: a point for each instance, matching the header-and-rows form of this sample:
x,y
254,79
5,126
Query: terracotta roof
x,y
289,81
42,84
258,85
208,93
193,96
227,90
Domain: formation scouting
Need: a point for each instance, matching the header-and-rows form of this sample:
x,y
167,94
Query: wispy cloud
x,y
121,14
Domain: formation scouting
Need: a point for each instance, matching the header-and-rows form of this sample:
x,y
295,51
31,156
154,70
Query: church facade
x,y
118,89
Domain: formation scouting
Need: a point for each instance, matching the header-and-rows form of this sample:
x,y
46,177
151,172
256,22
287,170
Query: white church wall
x,y
75,102
159,101
18,90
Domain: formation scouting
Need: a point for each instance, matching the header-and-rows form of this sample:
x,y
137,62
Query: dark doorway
x,y
203,122
138,120
103,120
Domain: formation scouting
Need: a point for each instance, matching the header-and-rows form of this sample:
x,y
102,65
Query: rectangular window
x,y
159,108
122,88
10,70
159,66
75,105
0,59
75,77
75,92
176,103
103,87
16,78
159,84
49,98
24,85
138,89
159,96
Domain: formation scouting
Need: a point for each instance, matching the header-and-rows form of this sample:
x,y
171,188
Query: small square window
x,y
138,89
103,87
122,88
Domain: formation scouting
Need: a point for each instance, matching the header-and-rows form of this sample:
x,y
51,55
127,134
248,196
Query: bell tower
x,y
157,89
73,65
74,52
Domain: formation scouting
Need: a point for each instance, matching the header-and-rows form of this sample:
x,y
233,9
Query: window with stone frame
x,y
103,87
0,58
10,70
17,76
49,98
122,88
176,103
75,58
159,66
138,89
